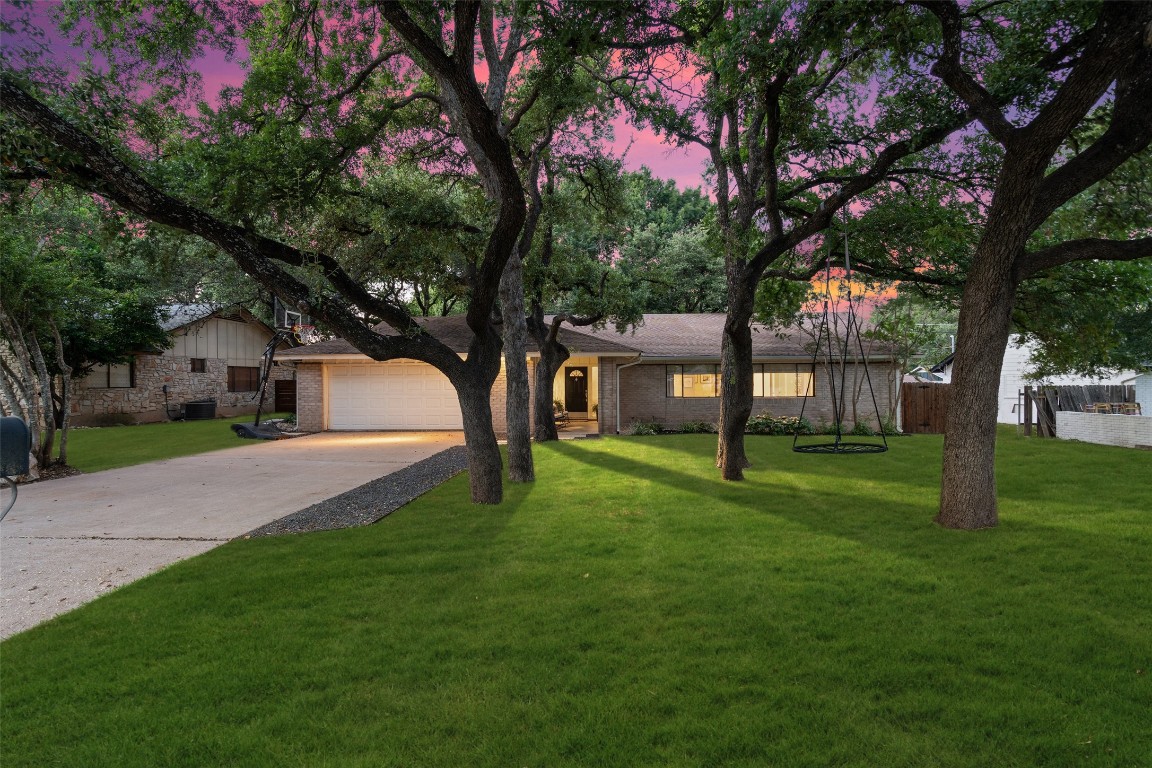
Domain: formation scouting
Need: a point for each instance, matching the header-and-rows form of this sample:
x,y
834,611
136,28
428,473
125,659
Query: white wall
x,y
1143,384
1017,360
1105,429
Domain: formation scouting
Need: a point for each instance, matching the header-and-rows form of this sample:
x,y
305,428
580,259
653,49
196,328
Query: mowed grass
x,y
630,609
97,449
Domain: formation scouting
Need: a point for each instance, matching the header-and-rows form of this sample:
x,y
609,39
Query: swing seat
x,y
840,448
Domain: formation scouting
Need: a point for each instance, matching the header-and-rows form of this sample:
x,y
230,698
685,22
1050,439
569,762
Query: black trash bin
x,y
15,443
200,409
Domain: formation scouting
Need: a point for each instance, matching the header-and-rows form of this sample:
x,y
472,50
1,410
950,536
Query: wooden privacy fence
x,y
924,407
1042,403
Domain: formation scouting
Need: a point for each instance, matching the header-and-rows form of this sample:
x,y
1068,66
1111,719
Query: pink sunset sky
x,y
638,146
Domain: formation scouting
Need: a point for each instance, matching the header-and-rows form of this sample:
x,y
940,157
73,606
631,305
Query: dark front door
x,y
576,390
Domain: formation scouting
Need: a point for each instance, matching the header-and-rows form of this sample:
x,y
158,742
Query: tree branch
x,y
1029,264
1129,131
107,175
949,69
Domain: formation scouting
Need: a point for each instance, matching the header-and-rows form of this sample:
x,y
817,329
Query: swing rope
x,y
839,393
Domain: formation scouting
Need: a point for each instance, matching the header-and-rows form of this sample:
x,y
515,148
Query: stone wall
x,y
144,402
1105,429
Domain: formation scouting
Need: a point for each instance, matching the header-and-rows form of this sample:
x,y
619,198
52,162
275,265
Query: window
x,y
122,376
781,381
199,365
243,378
693,381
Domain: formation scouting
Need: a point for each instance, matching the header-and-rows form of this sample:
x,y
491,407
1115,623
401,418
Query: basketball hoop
x,y
305,334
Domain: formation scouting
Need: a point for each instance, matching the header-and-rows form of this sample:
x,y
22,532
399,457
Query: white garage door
x,y
391,396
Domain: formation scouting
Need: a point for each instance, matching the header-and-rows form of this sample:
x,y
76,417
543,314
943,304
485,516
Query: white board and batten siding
x,y
240,343
395,395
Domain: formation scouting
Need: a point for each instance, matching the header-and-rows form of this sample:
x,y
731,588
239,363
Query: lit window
x,y
781,381
693,381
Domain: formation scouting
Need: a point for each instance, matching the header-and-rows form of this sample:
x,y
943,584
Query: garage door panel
x,y
391,396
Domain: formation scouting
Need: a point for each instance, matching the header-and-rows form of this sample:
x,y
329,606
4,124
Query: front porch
x,y
578,428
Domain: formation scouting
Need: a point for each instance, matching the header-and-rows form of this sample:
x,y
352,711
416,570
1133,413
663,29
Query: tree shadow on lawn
x,y
1028,470
873,514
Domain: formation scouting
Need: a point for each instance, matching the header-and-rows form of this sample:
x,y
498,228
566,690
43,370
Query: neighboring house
x,y
665,371
215,355
1143,385
1013,378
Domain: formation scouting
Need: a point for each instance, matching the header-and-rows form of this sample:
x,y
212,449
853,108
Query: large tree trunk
x,y
485,467
968,484
64,414
518,401
45,386
735,381
552,356
22,376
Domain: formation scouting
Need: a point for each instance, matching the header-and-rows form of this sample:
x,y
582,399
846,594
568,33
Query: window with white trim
x,y
771,380
693,380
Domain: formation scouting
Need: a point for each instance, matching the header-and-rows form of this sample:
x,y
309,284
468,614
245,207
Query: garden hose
x,y
12,502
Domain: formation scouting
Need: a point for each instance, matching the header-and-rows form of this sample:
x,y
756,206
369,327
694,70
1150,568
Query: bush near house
x,y
767,424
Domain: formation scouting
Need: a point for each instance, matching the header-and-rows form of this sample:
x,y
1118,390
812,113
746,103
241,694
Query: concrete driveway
x,y
69,540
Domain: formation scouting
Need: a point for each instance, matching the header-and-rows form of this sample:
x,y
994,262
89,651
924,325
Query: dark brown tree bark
x,y
1116,52
518,396
553,354
735,380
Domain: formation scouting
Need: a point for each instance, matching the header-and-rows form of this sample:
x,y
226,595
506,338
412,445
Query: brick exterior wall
x,y
310,397
145,401
644,398
1105,429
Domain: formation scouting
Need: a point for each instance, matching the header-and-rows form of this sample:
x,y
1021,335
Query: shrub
x,y
644,428
767,424
698,428
861,429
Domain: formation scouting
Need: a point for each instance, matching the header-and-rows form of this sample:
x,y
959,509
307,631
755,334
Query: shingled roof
x,y
681,336
699,336
454,332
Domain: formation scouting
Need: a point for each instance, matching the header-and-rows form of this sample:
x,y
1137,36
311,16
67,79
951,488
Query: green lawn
x,y
93,450
630,609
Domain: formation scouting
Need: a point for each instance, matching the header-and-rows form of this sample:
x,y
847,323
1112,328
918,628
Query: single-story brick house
x,y
666,371
215,355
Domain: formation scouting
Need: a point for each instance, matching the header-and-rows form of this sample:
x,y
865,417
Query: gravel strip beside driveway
x,y
372,501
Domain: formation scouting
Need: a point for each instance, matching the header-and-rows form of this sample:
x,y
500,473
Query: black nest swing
x,y
839,388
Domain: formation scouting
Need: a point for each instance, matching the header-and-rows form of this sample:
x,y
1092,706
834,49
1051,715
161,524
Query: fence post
x,y
1028,411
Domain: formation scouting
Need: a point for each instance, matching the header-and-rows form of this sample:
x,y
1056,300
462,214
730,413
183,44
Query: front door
x,y
576,390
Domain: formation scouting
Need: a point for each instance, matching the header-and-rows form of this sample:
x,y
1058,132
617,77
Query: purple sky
x,y
685,166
